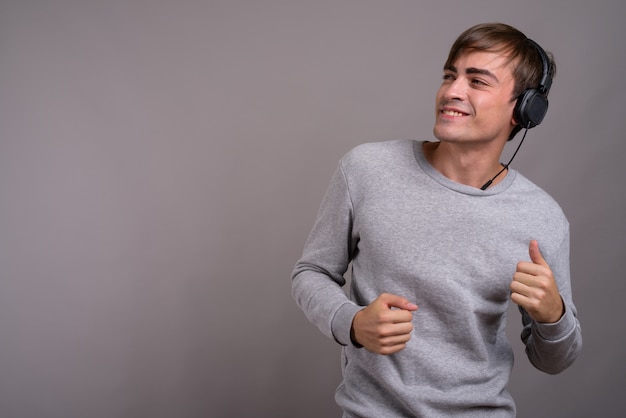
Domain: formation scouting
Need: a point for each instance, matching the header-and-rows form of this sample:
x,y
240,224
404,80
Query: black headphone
x,y
532,104
530,108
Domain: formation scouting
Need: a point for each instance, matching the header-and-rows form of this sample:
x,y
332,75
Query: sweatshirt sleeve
x,y
318,276
552,348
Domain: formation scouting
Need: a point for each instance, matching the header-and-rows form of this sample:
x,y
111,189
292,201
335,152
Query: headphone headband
x,y
546,81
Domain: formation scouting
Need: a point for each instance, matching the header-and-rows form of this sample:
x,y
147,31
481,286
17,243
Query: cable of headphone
x,y
506,166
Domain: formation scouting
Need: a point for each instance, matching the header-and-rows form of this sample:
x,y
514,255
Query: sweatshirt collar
x,y
505,183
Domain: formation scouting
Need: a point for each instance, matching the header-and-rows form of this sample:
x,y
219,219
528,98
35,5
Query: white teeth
x,y
452,113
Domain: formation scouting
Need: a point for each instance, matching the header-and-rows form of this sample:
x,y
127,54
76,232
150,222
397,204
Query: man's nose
x,y
456,89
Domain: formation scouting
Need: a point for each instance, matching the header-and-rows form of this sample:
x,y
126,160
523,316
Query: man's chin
x,y
446,135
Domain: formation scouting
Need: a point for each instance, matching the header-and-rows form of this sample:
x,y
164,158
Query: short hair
x,y
500,37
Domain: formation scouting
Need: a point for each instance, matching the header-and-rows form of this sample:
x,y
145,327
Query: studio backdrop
x,y
161,164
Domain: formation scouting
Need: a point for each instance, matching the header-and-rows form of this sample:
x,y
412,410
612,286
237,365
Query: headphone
x,y
532,104
530,108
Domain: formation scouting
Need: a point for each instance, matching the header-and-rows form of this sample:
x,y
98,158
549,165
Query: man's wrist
x,y
353,333
353,338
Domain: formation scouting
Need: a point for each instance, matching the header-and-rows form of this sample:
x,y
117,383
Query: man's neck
x,y
470,165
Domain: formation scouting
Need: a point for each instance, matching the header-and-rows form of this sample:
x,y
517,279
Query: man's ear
x,y
515,128
513,102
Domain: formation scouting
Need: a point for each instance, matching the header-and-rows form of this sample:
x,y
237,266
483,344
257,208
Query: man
x,y
446,227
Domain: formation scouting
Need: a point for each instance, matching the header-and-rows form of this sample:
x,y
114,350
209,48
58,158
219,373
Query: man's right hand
x,y
384,326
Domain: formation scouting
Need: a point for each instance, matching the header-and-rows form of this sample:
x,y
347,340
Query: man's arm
x,y
551,330
318,276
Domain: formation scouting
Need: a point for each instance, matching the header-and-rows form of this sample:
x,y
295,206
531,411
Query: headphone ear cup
x,y
530,108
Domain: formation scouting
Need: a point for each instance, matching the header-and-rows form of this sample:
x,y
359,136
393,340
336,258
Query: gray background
x,y
161,163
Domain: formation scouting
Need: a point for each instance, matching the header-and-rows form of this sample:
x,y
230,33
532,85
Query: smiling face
x,y
474,102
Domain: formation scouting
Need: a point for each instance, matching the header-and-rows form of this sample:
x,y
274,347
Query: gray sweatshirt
x,y
451,249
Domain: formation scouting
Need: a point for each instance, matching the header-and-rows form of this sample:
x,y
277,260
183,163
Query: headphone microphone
x,y
531,106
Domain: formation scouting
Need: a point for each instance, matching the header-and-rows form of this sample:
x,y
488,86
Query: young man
x,y
446,227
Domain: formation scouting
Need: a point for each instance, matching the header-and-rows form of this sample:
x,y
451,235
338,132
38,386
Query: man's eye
x,y
478,82
448,77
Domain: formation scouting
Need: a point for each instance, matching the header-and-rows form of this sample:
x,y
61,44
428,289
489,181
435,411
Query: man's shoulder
x,y
532,192
380,151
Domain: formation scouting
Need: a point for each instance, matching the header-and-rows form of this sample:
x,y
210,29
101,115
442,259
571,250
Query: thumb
x,y
395,301
535,254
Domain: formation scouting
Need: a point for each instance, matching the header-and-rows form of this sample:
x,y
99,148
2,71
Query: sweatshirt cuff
x,y
342,322
558,330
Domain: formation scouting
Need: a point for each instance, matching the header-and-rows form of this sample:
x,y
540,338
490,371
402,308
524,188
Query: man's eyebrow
x,y
472,70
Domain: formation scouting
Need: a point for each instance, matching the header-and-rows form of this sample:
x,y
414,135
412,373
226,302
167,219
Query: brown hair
x,y
500,37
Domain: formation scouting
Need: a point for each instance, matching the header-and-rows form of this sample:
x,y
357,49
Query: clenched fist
x,y
384,326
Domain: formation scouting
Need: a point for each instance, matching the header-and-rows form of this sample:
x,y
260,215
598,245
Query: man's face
x,y
474,101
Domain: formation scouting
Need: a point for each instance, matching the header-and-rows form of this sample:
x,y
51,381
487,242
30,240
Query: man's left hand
x,y
534,288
